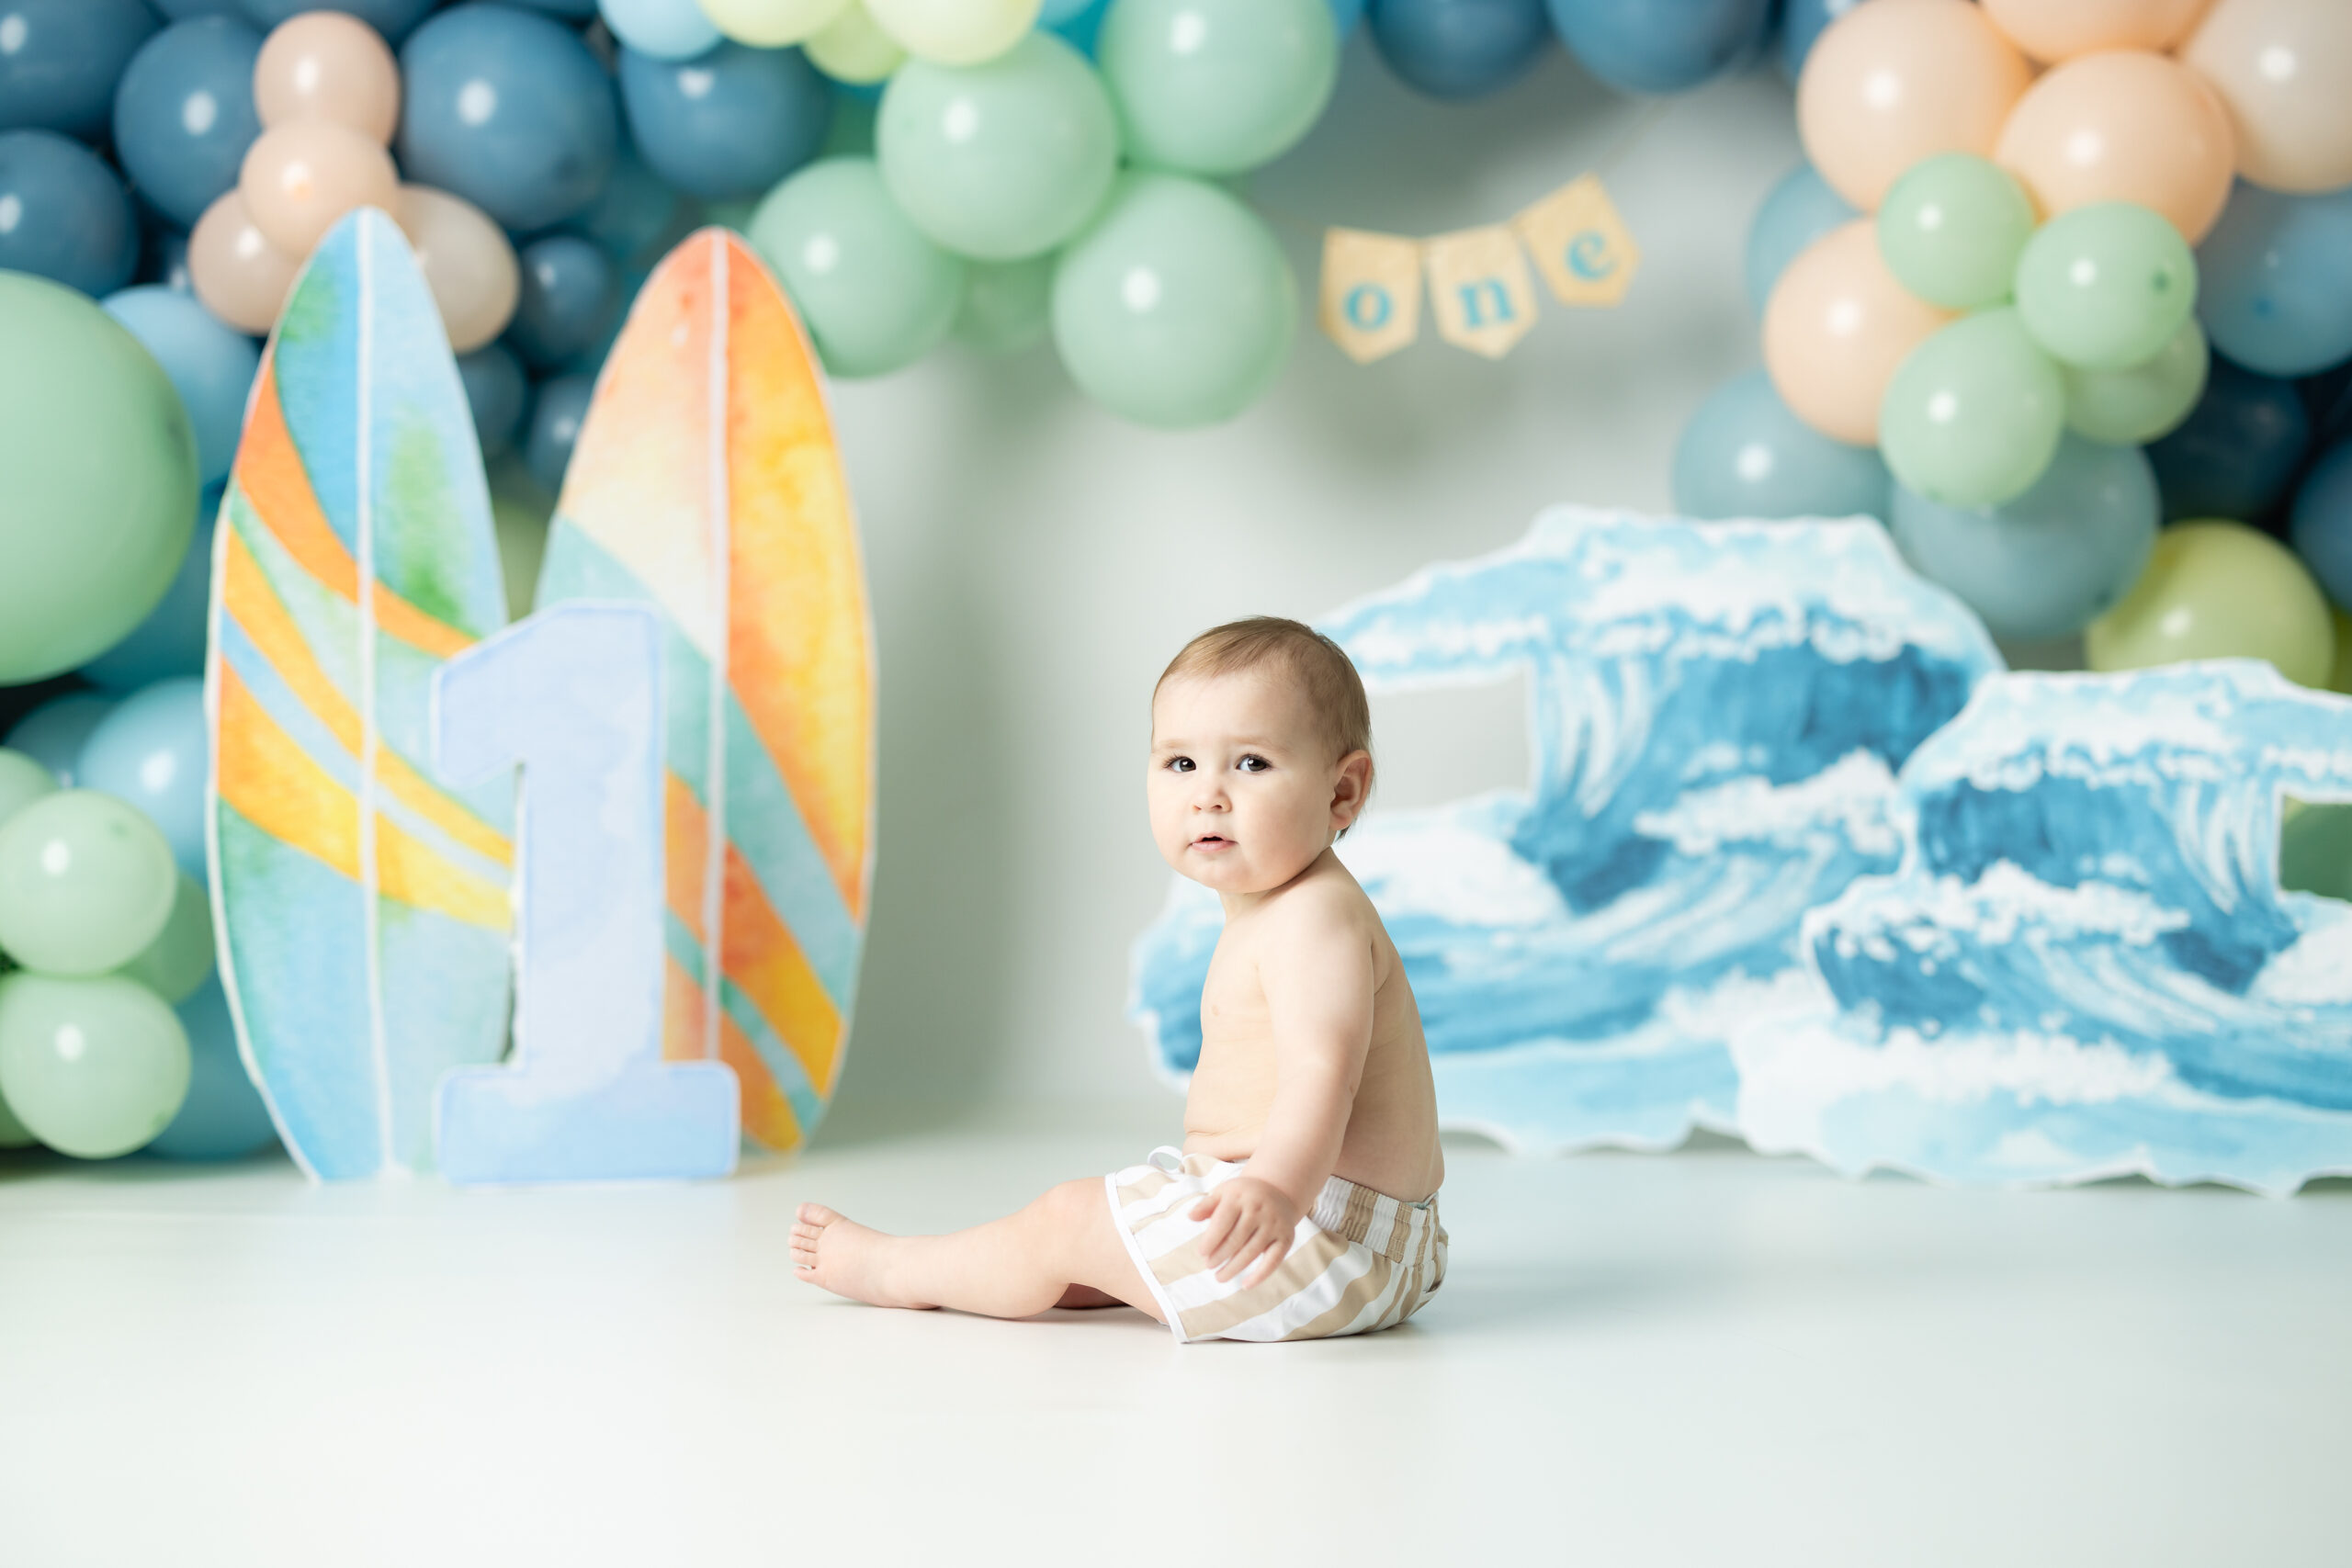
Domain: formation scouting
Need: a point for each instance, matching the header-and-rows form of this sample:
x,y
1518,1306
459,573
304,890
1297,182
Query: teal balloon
x,y
101,479
1744,454
1176,307
1001,160
2052,561
2106,285
22,782
86,884
1799,210
1951,228
223,1115
1972,416
875,292
93,1067
1007,306
2140,402
1218,86
54,733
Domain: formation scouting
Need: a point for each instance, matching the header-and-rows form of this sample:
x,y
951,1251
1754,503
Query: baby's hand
x,y
1249,1220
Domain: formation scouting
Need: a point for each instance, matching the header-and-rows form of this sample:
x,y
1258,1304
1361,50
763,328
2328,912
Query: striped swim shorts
x,y
1360,1260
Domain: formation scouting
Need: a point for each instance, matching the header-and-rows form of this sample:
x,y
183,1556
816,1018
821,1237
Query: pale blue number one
x,y
573,695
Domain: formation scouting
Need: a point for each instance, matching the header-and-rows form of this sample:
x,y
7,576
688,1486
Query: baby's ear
x,y
1351,790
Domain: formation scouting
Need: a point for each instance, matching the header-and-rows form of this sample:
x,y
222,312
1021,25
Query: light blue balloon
x,y
1640,46
660,30
184,115
2049,563
69,219
569,289
1459,49
1744,455
497,392
150,751
223,1115
510,110
2274,281
211,365
1799,210
729,124
1801,23
556,411
2322,526
170,641
60,61
54,733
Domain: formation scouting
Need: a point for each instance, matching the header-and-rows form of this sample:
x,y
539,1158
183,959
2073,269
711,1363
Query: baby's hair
x,y
1333,689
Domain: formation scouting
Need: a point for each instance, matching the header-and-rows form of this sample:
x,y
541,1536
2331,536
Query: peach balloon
x,y
2283,70
2052,30
325,65
1895,81
2122,125
1834,328
466,263
298,178
238,274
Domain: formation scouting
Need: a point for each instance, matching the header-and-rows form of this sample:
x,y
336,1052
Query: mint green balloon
x,y
1950,230
2135,405
180,958
1176,307
1972,416
93,1067
86,884
2106,286
22,782
1218,86
1002,160
1007,306
877,295
97,480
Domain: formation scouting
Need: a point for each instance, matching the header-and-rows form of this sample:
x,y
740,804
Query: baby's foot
x,y
844,1257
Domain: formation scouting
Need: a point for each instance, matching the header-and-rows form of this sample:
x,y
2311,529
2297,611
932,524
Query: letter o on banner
x,y
1372,292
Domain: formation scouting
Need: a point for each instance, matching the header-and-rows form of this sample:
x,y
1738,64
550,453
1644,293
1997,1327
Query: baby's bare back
x,y
1391,1143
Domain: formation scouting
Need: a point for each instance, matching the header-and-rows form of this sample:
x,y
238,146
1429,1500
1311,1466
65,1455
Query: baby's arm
x,y
1318,978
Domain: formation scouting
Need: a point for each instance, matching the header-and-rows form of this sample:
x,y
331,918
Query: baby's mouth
x,y
1211,841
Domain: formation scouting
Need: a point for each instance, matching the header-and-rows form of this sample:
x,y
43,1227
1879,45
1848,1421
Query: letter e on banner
x,y
1582,247
1372,292
1480,291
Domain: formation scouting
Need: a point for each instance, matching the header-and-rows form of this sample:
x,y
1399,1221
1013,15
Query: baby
x,y
1304,1203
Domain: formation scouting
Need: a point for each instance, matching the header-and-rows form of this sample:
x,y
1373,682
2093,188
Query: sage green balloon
x,y
1218,86
1971,417
2135,406
22,782
97,480
1002,160
2106,285
86,884
1950,229
1175,307
180,958
2316,851
14,1135
1007,306
93,1066
875,293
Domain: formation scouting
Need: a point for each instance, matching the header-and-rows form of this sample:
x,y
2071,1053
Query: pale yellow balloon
x,y
2218,589
466,263
2123,126
298,178
2052,30
854,49
1835,327
238,274
2283,69
2342,680
1894,81
958,32
769,24
325,65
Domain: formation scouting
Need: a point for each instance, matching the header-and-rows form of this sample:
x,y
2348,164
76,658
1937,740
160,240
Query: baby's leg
x,y
1062,1246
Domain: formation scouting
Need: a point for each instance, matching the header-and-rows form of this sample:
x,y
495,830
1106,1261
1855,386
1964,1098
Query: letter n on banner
x,y
1582,246
1372,292
1480,291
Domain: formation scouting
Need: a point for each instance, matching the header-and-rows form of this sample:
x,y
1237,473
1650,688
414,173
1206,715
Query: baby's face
x,y
1244,791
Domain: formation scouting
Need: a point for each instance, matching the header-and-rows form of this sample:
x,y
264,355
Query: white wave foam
x,y
1853,797
1452,864
1937,915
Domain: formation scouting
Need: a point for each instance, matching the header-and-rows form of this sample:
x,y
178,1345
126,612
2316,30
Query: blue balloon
x,y
497,391
212,367
184,115
1347,14
563,403
1054,13
2273,287
150,750
1641,46
509,110
1801,23
223,1115
661,30
730,124
2049,563
60,59
1744,455
162,260
181,10
2322,525
569,290
1799,210
170,641
63,215
578,10
52,733
1458,48
637,217
2237,451
393,18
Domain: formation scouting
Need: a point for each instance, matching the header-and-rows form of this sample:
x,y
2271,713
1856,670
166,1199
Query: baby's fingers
x,y
1246,1247
1267,1261
1222,1231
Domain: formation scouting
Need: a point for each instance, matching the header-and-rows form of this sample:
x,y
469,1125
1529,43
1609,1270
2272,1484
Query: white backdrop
x,y
1035,561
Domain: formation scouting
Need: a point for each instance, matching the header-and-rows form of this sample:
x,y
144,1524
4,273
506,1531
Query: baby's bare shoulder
x,y
1322,905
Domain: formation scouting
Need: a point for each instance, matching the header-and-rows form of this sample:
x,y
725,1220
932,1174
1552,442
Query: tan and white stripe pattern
x,y
1359,1261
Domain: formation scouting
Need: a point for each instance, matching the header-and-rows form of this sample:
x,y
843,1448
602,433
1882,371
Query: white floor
x,y
1695,1359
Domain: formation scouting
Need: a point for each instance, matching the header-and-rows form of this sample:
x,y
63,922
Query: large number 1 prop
x,y
573,695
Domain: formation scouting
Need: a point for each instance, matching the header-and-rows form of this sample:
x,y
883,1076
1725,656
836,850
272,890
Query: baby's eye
x,y
1254,764
1180,764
